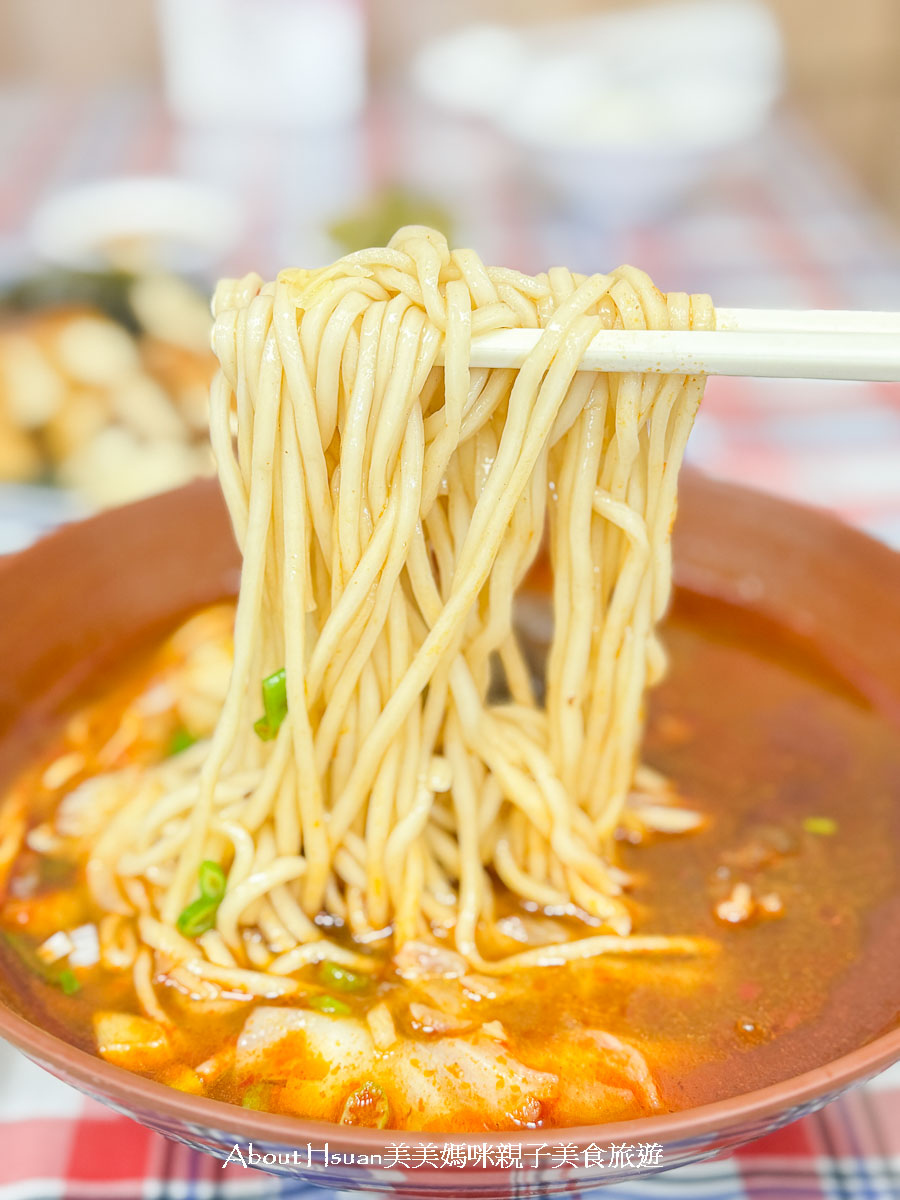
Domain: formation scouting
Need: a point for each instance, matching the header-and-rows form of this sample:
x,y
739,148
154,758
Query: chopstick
x,y
806,320
760,343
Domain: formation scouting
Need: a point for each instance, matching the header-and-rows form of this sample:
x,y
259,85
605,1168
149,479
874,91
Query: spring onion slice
x,y
200,915
198,918
264,730
68,981
330,1005
274,697
342,979
274,693
212,880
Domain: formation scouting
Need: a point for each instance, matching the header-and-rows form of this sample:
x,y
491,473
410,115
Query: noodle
x,y
389,501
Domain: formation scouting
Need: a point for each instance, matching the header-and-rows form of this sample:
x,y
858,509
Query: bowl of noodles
x,y
400,814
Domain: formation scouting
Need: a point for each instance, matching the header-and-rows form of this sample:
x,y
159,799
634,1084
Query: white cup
x,y
288,63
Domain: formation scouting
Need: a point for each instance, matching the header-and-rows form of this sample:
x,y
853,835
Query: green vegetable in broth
x,y
330,1005
68,981
342,979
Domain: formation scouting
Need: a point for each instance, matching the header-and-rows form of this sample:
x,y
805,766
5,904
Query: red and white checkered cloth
x,y
778,225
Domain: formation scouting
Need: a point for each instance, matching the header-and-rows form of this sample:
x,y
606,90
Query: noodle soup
x,y
384,844
767,750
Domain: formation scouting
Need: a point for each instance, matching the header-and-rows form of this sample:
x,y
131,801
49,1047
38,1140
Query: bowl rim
x,y
136,1094
110,1083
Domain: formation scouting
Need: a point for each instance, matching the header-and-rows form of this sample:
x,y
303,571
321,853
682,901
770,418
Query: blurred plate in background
x,y
617,115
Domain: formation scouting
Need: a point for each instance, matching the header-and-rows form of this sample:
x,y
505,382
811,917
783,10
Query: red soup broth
x,y
798,779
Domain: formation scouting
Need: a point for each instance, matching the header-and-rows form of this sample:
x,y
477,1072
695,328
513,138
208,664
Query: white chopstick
x,y
775,343
806,320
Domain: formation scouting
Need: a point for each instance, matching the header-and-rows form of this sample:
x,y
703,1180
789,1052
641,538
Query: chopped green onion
x,y
256,1096
213,881
180,740
341,978
264,730
821,826
330,1005
274,697
274,693
68,981
367,1106
199,917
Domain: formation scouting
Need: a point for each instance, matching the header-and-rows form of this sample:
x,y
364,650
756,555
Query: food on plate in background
x,y
373,222
103,383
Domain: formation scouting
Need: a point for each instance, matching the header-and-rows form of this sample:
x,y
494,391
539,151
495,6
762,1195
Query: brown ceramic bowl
x,y
80,599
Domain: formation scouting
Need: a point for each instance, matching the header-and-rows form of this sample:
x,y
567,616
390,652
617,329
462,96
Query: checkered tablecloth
x,y
777,225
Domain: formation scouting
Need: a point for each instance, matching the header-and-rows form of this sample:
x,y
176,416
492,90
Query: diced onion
x,y
57,946
85,946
